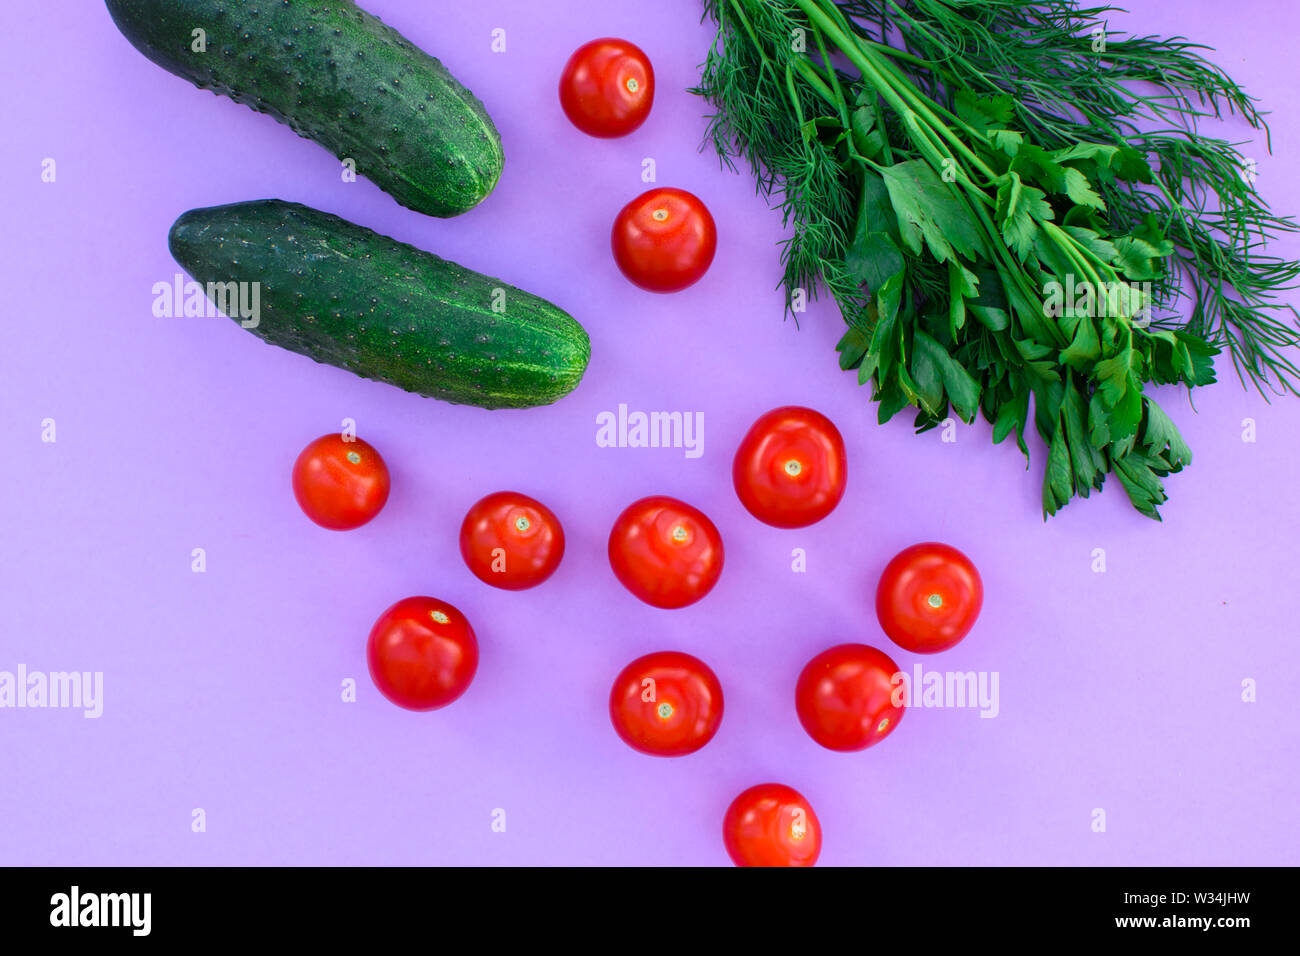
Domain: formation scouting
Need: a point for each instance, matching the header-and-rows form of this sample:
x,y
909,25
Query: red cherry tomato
x,y
607,87
847,697
665,552
664,240
340,484
511,541
772,825
929,597
790,468
666,704
422,653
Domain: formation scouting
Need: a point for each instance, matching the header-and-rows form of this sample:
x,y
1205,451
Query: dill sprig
x,y
764,104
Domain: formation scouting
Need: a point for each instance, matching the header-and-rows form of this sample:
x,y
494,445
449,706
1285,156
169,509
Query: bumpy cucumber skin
x,y
347,296
337,75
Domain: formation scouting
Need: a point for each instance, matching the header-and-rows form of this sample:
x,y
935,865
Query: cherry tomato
x,y
665,552
607,87
790,468
664,240
422,653
847,697
666,704
929,597
340,484
511,541
772,825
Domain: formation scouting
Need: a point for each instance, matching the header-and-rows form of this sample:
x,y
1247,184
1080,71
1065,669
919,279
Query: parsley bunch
x,y
1002,218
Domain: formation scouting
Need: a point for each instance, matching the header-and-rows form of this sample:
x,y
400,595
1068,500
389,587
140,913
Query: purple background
x,y
1119,690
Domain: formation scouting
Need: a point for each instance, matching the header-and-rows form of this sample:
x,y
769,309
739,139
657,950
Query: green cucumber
x,y
347,296
337,75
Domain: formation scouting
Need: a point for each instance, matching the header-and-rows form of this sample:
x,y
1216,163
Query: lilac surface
x,y
1118,690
